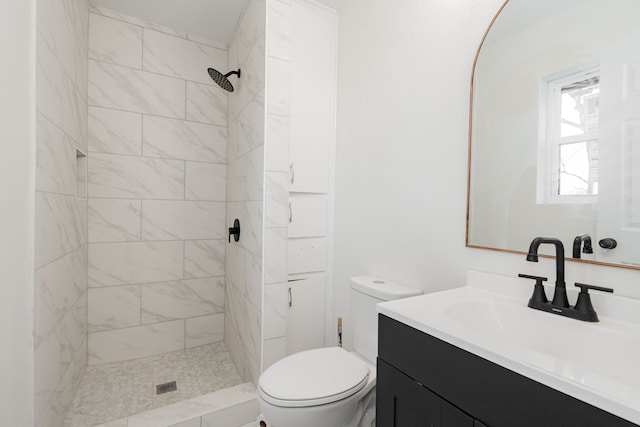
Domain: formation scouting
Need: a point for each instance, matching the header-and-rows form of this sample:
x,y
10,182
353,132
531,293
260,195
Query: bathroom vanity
x,y
477,356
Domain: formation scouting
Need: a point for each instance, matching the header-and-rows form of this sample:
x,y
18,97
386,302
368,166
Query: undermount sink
x,y
598,363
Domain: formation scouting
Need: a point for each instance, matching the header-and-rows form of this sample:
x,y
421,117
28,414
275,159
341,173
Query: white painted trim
x,y
261,366
17,183
330,321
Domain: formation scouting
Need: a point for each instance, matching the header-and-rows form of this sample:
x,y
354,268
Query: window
x,y
569,142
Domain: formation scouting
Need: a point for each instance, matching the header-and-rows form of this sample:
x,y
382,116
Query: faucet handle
x,y
538,279
539,296
584,288
583,304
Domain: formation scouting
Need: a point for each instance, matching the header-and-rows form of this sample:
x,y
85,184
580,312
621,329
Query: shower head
x,y
223,79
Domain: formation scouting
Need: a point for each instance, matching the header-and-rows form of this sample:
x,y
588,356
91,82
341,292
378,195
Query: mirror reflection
x,y
555,135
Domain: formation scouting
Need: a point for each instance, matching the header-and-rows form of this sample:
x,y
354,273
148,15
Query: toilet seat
x,y
312,378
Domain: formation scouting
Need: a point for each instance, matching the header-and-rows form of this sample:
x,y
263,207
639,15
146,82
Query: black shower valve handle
x,y
235,230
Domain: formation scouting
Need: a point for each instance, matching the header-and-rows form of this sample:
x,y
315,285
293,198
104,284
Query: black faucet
x,y
583,309
560,294
578,242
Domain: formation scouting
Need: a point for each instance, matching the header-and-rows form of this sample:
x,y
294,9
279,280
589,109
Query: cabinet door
x,y
454,417
305,318
308,215
309,167
385,400
402,402
313,88
415,405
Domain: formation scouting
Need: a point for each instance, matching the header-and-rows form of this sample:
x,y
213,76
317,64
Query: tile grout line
x,y
142,120
184,181
172,32
142,45
166,159
163,322
146,113
156,282
155,73
140,304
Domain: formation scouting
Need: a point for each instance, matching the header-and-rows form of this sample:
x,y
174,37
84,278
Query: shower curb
x,y
230,407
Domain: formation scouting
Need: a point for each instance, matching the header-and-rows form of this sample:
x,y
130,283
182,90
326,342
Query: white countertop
x,y
598,363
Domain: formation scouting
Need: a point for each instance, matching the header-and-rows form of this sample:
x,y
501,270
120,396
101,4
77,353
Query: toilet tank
x,y
366,292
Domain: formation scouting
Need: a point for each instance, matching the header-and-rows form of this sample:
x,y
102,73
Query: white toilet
x,y
331,387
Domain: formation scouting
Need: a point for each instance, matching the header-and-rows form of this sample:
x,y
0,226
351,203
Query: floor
x,y
118,390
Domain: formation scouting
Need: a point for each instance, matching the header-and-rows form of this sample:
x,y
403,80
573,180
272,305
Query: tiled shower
x,y
143,164
157,190
60,246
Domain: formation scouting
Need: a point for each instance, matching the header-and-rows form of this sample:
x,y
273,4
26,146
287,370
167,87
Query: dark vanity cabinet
x,y
424,381
404,402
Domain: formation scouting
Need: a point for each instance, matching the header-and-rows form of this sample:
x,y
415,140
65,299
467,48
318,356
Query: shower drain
x,y
166,387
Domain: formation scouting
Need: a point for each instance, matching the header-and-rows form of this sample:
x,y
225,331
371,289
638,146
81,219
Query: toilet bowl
x,y
331,387
319,388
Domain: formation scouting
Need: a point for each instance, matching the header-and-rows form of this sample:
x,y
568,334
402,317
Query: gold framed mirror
x,y
554,130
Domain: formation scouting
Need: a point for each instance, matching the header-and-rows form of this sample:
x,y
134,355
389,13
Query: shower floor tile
x,y
117,390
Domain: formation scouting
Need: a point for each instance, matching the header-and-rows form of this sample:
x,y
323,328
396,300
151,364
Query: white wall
x,y
403,94
401,166
17,183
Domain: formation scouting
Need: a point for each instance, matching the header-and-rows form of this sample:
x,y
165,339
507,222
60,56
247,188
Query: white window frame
x,y
549,140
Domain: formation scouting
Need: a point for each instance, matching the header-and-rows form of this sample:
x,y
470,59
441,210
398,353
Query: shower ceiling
x,y
213,19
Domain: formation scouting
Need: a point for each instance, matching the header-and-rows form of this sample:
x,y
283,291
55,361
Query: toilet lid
x,y
313,377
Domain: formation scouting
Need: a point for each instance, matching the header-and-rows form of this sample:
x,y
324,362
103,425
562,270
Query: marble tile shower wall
x,y
157,189
245,188
277,181
60,277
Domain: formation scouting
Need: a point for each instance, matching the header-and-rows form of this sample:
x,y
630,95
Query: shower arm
x,y
230,73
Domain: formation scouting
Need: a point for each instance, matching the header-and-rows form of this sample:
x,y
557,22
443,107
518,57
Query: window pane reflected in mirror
x,y
578,169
